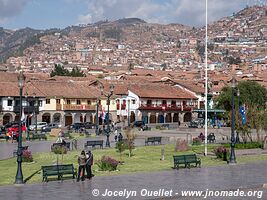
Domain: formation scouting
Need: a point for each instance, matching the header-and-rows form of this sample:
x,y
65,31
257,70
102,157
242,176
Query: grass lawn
x,y
145,159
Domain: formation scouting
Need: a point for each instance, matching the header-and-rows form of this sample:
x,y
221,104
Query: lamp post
x,y
96,119
19,175
111,90
27,118
232,154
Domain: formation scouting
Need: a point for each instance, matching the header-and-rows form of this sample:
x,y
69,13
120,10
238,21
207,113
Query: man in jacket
x,y
89,163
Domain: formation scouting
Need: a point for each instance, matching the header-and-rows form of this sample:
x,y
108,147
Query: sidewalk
x,y
231,177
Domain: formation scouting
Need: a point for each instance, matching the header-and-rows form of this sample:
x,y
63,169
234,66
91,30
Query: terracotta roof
x,y
160,91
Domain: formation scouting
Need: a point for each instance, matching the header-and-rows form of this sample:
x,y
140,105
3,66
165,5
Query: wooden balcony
x,y
165,107
78,107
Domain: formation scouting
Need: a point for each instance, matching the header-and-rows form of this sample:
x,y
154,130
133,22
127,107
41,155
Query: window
x,y
173,103
133,101
149,102
164,102
17,103
78,102
40,103
68,101
47,101
88,102
58,101
9,102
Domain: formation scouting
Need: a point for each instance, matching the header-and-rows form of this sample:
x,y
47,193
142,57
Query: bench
x,y
15,152
66,144
153,140
38,136
94,143
186,160
59,171
211,138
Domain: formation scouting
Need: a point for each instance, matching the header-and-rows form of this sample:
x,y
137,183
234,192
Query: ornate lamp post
x,y
232,155
111,90
19,175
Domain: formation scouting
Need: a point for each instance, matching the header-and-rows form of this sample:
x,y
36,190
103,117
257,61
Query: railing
x,y
167,107
27,109
78,107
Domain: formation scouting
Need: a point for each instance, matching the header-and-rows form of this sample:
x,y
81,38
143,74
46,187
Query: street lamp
x,y
19,175
111,90
232,155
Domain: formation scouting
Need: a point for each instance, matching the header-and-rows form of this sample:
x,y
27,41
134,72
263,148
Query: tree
x,y
59,70
76,72
254,97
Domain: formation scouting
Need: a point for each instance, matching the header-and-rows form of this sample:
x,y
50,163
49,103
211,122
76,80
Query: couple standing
x,y
85,161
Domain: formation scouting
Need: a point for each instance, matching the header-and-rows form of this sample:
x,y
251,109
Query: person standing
x,y
82,163
89,163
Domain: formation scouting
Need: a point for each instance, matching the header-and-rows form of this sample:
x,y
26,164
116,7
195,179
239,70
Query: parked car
x,y
8,125
15,128
139,124
39,125
50,126
89,125
198,123
77,126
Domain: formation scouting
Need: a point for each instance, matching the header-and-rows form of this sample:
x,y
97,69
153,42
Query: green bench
x,y
153,140
38,136
59,171
186,160
94,143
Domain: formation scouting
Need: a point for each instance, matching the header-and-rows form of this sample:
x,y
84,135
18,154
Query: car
x,y
89,125
39,126
139,124
15,128
197,123
50,126
77,126
8,125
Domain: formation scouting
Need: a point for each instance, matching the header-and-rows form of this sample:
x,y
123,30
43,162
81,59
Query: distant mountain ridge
x,y
14,42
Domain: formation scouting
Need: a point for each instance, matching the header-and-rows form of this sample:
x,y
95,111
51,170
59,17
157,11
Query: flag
x,y
242,111
23,118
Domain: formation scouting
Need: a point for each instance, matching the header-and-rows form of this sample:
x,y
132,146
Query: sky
x,y
44,14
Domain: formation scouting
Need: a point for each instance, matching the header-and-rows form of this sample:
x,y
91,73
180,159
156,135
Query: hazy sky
x,y
42,14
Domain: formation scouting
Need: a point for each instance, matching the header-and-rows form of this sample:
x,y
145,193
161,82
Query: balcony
x,y
78,107
160,107
27,109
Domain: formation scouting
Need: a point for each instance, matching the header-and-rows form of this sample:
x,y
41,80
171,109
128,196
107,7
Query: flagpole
x,y
206,81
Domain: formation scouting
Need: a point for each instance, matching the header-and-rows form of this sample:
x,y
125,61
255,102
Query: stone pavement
x,y
232,177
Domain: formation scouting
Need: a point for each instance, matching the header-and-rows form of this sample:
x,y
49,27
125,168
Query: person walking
x,y
81,162
89,163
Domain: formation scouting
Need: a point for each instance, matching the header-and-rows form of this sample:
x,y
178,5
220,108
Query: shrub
x,y
158,127
250,145
107,163
27,156
197,141
121,146
59,150
219,152
181,145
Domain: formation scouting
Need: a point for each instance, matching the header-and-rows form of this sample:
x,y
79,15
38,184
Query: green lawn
x,y
145,159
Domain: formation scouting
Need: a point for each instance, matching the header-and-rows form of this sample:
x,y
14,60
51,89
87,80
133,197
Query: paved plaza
x,y
237,177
